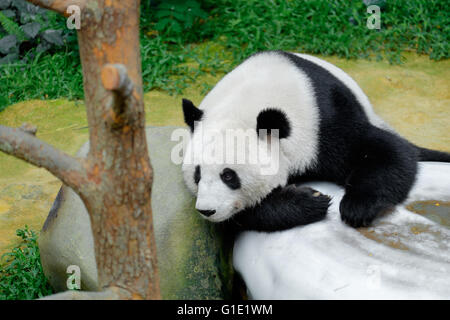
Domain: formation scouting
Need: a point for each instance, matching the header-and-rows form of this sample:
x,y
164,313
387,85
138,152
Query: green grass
x,y
336,28
46,76
239,28
21,274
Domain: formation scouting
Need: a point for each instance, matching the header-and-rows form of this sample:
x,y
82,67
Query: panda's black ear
x,y
271,119
191,113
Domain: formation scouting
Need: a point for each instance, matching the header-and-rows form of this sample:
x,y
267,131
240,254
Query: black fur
x,y
191,113
282,209
273,119
197,174
381,177
433,155
230,178
376,167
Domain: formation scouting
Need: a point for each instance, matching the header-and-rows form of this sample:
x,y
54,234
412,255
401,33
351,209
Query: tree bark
x,y
59,5
116,175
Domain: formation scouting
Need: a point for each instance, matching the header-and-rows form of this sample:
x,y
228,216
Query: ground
x,y
412,97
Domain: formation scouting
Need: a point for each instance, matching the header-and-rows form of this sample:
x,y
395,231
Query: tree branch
x,y
21,143
115,78
59,6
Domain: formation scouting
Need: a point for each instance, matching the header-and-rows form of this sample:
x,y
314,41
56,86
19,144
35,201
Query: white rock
x,y
403,256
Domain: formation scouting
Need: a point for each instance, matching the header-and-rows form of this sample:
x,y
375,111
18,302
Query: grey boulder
x,y
194,256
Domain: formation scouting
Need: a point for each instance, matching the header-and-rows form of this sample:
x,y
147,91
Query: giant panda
x,y
324,128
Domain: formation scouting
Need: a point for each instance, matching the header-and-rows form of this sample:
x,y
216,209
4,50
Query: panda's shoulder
x,y
325,75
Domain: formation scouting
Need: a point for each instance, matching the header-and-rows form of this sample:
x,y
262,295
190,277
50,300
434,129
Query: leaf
x,y
163,14
5,4
176,27
9,58
189,21
31,29
179,16
42,47
192,4
202,14
11,27
7,43
162,24
26,17
53,37
21,5
167,6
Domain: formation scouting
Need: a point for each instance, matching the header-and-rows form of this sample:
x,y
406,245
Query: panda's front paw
x,y
284,208
313,202
310,192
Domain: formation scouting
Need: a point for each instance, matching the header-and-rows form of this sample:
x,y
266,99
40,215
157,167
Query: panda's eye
x,y
230,178
227,176
197,175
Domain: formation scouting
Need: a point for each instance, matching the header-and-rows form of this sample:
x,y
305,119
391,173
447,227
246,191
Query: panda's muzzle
x,y
207,213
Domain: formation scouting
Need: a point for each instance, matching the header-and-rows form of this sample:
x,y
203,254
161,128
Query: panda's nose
x,y
207,213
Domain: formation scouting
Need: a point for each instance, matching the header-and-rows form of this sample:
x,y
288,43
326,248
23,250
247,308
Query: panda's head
x,y
229,175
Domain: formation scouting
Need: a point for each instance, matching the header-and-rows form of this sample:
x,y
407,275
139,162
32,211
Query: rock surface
x,y
404,255
193,256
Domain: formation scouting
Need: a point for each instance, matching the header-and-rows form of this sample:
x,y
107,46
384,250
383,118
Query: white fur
x,y
212,193
266,80
263,81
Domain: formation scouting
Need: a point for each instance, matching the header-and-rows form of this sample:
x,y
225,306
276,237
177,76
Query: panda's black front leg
x,y
284,208
381,179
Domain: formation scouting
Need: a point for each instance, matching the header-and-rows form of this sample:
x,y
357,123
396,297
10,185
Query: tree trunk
x,y
115,179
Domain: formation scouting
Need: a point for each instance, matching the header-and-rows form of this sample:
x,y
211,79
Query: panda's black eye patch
x,y
230,178
197,175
